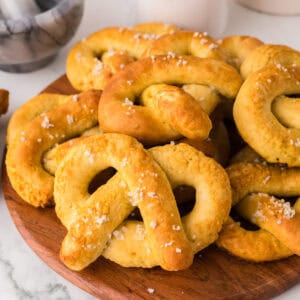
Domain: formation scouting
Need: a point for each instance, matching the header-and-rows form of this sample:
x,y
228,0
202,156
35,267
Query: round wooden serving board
x,y
214,274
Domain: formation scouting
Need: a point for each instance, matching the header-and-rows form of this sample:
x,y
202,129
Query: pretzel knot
x,y
165,112
92,62
96,223
259,101
254,187
32,133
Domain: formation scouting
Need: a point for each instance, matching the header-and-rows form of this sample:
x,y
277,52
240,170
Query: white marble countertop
x,y
22,274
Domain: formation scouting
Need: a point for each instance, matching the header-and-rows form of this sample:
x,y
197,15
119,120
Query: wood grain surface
x,y
214,274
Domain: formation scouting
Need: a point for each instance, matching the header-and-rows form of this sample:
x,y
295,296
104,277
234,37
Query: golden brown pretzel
x,y
267,55
237,48
31,109
118,114
93,61
185,43
132,242
140,181
24,155
253,114
190,43
253,187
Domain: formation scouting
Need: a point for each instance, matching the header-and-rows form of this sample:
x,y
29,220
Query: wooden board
x,y
214,274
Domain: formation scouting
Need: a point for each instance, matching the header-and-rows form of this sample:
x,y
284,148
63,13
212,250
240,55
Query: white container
x,y
200,15
278,7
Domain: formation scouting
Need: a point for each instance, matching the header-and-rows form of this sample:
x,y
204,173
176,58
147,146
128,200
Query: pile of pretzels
x,y
160,110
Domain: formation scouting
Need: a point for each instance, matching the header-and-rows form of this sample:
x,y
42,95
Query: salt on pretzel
x,y
25,152
253,114
253,186
93,61
185,43
267,55
92,220
195,44
94,217
117,112
233,50
216,146
31,109
3,101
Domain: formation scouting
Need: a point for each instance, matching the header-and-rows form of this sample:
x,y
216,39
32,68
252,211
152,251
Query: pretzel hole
x,y
100,179
243,222
294,96
236,142
185,199
291,200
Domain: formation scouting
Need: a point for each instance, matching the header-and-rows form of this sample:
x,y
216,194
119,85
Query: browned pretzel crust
x,y
117,112
25,151
254,186
255,119
97,219
92,62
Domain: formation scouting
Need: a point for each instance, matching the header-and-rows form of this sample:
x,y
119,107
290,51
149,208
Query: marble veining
x,y
30,42
49,291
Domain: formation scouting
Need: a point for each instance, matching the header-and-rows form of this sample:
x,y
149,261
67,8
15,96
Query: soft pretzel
x,y
93,61
173,117
3,101
132,242
267,55
254,117
237,48
190,43
25,151
185,43
253,186
33,108
91,219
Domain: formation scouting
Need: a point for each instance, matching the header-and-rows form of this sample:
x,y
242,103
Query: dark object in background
x,y
46,4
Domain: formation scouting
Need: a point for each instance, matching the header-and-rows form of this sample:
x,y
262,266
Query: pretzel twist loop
x,y
161,239
172,115
253,113
24,159
93,61
253,186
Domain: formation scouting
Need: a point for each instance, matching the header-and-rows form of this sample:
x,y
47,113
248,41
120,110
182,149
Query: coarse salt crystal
x,y
102,219
130,82
176,227
70,119
168,244
98,67
118,234
151,194
46,123
203,41
127,102
267,178
153,224
150,290
124,162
